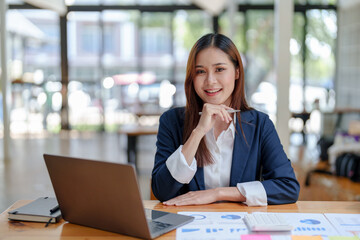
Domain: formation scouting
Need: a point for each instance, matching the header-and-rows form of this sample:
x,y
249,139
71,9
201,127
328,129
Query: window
x,y
320,60
34,71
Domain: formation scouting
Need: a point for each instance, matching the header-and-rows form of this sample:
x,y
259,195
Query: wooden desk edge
x,y
300,206
64,230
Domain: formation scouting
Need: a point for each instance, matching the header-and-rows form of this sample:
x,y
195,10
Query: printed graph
x,y
310,221
198,216
231,217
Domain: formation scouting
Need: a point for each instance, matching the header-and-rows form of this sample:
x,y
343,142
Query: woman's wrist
x,y
190,147
218,194
199,132
229,194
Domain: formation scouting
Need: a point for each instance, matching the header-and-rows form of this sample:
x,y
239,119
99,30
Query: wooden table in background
x,y
133,132
304,116
64,230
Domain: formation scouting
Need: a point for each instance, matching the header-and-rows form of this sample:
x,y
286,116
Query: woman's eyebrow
x,y
215,64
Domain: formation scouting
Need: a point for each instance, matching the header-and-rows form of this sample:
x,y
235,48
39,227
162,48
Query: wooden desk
x,y
132,133
63,230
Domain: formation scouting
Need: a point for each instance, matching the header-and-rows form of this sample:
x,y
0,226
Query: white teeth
x,y
212,91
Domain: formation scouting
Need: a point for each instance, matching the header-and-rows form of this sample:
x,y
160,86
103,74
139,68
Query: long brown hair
x,y
194,103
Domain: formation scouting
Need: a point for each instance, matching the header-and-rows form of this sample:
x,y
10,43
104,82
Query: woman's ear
x,y
237,73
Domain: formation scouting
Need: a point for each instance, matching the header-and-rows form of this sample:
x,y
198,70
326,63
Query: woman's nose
x,y
211,78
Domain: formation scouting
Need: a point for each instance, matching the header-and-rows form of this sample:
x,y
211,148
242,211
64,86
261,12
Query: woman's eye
x,y
200,71
220,69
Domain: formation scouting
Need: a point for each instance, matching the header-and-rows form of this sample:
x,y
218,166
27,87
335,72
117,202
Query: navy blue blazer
x,y
262,150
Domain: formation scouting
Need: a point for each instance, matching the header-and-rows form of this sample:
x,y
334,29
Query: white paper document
x,y
345,224
230,225
213,225
310,224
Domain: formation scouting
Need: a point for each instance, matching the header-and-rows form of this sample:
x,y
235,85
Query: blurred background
x,y
90,78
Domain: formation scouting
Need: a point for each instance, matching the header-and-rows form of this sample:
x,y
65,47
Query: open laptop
x,y
106,196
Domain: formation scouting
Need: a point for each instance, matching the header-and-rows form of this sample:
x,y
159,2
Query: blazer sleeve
x,y
278,175
169,138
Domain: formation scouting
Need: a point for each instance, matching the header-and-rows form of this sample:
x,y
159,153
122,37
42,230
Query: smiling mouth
x,y
213,91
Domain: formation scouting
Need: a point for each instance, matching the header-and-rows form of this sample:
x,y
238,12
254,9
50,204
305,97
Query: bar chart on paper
x,y
213,225
230,225
310,224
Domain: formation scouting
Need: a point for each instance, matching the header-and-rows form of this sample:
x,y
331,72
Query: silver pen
x,y
229,111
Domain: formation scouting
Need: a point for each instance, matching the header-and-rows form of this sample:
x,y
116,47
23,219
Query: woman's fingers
x,y
226,108
217,110
210,113
193,198
179,200
226,115
223,113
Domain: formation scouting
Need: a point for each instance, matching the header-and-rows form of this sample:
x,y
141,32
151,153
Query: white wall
x,y
347,83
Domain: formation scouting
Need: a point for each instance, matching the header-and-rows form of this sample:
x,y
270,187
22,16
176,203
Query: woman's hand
x,y
211,113
194,198
207,196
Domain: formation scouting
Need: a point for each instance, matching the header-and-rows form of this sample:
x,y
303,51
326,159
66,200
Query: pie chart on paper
x,y
231,217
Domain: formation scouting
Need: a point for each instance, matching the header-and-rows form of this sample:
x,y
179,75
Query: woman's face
x,y
215,76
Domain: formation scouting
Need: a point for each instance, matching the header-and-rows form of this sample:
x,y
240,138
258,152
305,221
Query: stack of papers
x,y
230,225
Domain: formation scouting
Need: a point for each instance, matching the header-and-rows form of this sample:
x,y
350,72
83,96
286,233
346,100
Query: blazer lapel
x,y
241,148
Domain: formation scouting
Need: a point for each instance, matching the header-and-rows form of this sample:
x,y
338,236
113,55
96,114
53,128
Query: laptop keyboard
x,y
157,226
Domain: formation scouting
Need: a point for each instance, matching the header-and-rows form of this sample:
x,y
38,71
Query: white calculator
x,y
266,222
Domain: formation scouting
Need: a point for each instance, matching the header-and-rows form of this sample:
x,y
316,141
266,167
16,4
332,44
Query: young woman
x,y
207,154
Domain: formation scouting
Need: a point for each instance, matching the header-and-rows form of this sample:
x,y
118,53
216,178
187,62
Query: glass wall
x,y
312,52
320,60
313,60
188,27
240,27
157,61
125,64
34,54
84,55
297,64
259,72
254,38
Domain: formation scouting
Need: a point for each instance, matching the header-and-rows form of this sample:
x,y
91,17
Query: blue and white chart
x,y
230,225
310,224
213,225
346,224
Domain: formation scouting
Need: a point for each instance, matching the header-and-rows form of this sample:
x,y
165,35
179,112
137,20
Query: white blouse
x,y
218,173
